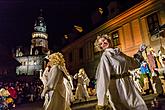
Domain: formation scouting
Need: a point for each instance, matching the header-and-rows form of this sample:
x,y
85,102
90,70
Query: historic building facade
x,y
128,30
8,63
33,60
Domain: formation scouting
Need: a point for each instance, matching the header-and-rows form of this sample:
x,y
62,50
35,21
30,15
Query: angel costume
x,y
81,90
113,78
56,85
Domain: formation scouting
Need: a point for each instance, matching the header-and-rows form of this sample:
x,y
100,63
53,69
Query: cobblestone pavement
x,y
153,102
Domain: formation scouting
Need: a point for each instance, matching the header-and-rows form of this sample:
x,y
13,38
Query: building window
x,y
153,23
30,62
115,38
70,57
81,53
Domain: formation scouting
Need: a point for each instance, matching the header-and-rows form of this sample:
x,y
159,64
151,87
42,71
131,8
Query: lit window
x,y
115,38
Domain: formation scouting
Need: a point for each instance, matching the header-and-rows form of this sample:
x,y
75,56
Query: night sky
x,y
17,18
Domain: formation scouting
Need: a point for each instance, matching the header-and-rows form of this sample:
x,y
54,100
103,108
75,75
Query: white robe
x,y
123,95
45,76
69,93
81,90
56,84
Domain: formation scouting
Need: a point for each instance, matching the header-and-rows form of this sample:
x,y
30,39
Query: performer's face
x,y
103,43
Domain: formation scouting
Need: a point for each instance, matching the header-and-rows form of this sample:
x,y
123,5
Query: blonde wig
x,y
96,44
81,71
58,59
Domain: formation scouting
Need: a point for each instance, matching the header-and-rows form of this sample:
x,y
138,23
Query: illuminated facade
x,y
128,30
33,61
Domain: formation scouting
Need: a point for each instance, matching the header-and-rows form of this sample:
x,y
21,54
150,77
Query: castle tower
x,y
39,42
32,63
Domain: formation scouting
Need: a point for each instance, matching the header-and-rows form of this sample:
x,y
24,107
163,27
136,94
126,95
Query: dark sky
x,y
17,18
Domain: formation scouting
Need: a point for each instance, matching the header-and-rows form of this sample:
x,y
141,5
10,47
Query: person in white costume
x,y
44,77
69,94
83,82
56,84
113,78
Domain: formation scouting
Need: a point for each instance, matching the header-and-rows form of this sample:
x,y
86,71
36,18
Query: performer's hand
x,y
41,73
44,92
42,95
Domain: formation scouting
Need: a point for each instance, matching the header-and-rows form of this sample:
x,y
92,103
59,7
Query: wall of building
x,y
132,28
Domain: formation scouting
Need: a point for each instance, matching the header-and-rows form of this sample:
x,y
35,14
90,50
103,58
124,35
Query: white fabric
x,y
55,86
45,76
69,93
81,90
123,95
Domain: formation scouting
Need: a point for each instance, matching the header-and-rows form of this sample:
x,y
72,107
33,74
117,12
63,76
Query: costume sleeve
x,y
43,77
132,63
71,82
86,79
103,79
54,78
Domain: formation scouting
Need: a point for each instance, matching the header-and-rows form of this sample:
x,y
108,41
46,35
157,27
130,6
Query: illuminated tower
x,y
39,42
32,64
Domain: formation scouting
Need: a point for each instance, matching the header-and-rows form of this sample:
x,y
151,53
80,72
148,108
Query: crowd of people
x,y
150,74
13,93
